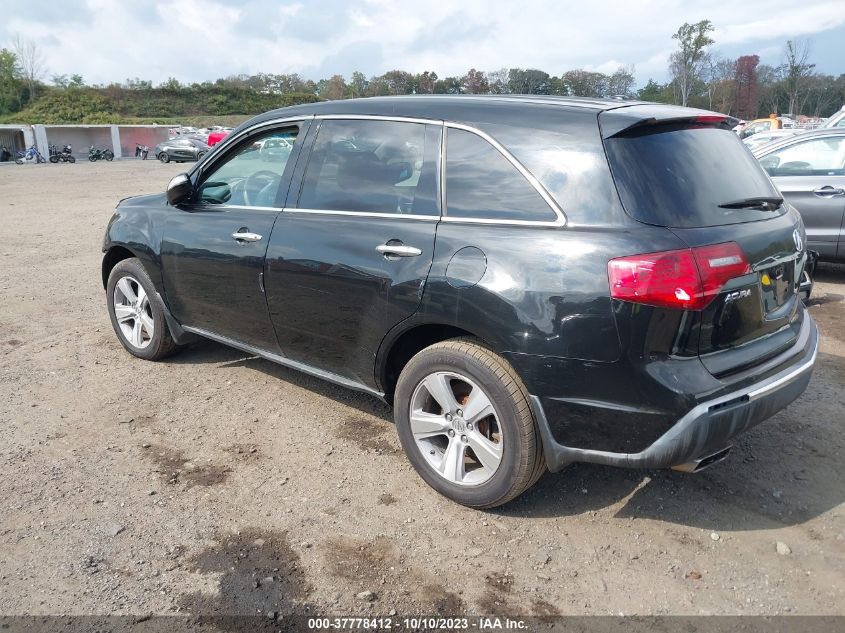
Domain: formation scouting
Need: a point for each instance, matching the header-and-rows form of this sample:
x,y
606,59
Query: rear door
x,y
350,259
696,178
811,175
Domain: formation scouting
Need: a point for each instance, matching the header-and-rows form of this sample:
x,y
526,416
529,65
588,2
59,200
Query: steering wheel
x,y
257,186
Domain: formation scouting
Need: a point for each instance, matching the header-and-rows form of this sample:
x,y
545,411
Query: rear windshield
x,y
678,176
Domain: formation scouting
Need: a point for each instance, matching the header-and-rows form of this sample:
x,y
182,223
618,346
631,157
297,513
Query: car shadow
x,y
829,272
210,352
783,472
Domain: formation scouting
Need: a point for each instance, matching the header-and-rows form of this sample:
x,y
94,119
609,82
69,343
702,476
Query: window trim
x,y
793,142
221,151
444,217
532,180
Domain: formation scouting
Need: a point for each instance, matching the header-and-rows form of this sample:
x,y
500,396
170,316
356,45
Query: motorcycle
x,y
65,156
30,154
95,154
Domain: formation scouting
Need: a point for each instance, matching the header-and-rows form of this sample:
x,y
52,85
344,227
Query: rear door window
x,y
816,157
677,176
373,167
482,184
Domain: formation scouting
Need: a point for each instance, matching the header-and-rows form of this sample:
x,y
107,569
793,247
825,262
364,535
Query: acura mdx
x,y
530,281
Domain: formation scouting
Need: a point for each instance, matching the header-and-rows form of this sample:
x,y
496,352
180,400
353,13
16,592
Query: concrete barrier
x,y
121,139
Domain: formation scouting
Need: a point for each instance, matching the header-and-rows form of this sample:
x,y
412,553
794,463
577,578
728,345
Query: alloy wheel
x,y
133,312
456,428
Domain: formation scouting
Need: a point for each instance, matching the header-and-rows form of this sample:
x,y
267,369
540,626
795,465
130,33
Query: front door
x,y
350,261
213,247
811,176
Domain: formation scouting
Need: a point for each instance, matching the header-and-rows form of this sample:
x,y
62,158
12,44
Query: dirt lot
x,y
218,482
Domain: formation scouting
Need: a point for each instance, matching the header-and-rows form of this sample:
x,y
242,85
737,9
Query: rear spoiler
x,y
618,121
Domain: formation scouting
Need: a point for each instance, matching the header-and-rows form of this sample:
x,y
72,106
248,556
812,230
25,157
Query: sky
x,y
199,40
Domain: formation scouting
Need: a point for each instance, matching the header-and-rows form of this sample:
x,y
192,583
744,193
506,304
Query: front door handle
x,y
245,237
398,250
828,191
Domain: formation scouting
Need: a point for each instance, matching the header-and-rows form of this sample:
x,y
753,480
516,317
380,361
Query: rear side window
x,y
482,184
817,157
373,167
678,176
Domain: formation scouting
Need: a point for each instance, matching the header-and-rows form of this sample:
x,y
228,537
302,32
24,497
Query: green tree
x,y
652,91
10,85
687,63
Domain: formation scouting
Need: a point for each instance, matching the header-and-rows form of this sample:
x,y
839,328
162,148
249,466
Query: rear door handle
x,y
827,192
398,250
245,237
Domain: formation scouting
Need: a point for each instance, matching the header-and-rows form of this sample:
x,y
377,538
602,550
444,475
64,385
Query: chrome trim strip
x,y
378,117
287,362
561,217
364,214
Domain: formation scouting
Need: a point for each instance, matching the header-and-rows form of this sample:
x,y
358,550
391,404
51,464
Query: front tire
x,y
164,158
108,155
464,420
71,159
137,313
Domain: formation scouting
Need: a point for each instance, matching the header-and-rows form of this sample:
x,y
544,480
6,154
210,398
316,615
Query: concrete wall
x,y
149,135
121,139
16,137
80,136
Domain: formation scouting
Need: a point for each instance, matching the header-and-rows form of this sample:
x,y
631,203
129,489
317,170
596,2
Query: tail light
x,y
688,278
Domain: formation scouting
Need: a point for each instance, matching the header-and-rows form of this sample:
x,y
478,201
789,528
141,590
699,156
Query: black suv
x,y
530,281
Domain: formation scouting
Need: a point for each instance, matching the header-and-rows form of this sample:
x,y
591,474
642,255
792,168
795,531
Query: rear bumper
x,y
706,429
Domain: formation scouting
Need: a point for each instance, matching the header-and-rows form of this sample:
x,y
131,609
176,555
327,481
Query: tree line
x,y
698,77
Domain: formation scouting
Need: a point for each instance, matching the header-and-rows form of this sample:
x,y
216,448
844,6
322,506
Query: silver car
x,y
809,170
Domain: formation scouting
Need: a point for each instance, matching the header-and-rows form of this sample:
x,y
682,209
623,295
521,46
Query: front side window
x,y
374,167
482,184
817,157
251,175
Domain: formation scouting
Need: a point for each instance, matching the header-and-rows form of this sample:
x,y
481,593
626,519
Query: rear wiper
x,y
762,203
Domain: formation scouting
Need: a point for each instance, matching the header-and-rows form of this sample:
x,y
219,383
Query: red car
x,y
216,137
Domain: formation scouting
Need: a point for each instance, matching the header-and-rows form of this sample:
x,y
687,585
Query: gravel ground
x,y
220,483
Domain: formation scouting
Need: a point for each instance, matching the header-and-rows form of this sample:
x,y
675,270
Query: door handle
x,y
398,250
827,192
246,237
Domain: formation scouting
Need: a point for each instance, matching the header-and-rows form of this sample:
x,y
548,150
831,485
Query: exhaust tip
x,y
697,465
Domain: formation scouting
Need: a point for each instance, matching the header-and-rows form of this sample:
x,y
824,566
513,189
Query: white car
x,y
837,120
763,138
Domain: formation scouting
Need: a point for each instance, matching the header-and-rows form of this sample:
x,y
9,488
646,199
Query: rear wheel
x,y
164,158
137,313
71,159
108,155
463,418
54,159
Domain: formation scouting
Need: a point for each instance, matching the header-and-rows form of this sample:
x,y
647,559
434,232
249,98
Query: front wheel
x,y
164,158
71,159
108,155
137,313
92,158
19,161
465,423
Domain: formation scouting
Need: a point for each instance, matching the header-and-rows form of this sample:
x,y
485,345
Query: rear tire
x,y
137,312
488,402
71,159
54,159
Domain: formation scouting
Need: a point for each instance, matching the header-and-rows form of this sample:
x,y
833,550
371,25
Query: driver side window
x,y
251,175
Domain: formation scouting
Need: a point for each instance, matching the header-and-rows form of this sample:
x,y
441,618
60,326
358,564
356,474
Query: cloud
x,y
197,40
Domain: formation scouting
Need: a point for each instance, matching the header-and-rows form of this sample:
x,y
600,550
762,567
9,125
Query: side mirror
x,y
179,189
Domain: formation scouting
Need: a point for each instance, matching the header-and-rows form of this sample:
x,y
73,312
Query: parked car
x,y
762,138
530,282
809,170
181,150
837,120
216,136
760,125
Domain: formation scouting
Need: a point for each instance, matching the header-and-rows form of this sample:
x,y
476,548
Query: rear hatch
x,y
687,171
